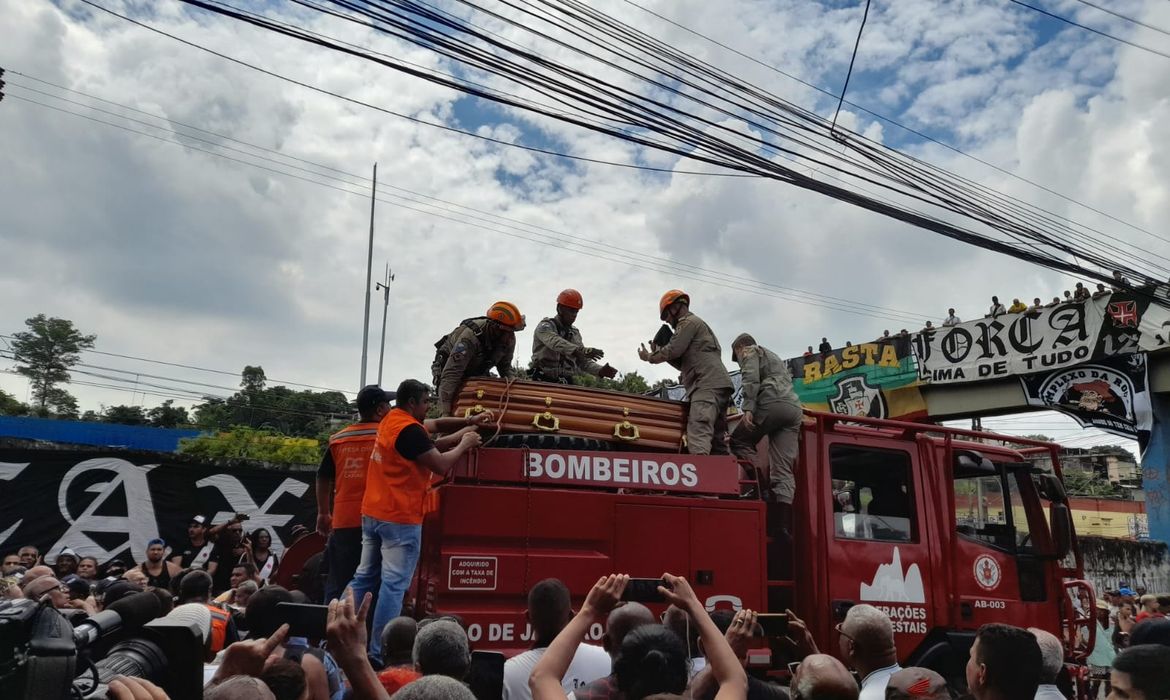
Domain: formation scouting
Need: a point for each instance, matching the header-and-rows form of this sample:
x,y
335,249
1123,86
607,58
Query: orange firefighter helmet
x,y
570,298
669,298
507,315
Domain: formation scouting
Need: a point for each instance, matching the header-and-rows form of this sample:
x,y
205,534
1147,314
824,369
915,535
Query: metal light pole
x,y
369,278
385,287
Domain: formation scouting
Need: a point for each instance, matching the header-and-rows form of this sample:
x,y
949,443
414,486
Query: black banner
x,y
1111,394
108,504
1049,338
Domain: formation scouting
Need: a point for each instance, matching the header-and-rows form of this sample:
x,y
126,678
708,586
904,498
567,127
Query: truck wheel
x,y
546,441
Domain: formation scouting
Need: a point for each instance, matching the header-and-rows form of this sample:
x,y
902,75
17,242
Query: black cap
x,y
111,590
370,396
78,587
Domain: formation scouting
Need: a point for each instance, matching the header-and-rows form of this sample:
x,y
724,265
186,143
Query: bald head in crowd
x,y
822,677
35,573
621,621
867,642
1051,655
916,683
435,688
239,688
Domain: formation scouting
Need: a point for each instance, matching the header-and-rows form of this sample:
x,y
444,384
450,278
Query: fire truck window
x,y
983,512
872,494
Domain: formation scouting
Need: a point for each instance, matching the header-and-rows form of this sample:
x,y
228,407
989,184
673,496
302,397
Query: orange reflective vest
x,y
351,448
396,488
219,623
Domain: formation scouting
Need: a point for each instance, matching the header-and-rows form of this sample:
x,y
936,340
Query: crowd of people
x,y
686,651
1077,295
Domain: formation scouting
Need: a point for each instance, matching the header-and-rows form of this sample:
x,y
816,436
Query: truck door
x,y
877,543
1002,549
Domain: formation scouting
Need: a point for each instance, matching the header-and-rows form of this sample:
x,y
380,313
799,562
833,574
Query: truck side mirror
x,y
1052,488
1060,521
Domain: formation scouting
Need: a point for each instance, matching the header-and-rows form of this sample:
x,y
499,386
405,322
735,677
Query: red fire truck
x,y
943,529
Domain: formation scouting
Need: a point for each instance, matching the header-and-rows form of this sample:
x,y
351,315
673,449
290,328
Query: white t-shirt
x,y
589,663
1047,691
873,686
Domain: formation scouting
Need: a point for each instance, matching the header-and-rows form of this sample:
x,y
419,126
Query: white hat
x,y
65,552
196,613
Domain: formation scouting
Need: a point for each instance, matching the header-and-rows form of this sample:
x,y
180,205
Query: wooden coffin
x,y
627,421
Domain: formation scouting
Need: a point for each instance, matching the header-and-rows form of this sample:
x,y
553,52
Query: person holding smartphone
x,y
606,594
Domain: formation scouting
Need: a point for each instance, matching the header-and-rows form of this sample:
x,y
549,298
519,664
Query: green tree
x,y
1081,482
10,406
44,353
278,408
247,443
91,417
252,379
630,383
58,403
125,415
168,415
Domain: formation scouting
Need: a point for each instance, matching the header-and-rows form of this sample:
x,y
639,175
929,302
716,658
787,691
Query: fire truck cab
x,y
943,529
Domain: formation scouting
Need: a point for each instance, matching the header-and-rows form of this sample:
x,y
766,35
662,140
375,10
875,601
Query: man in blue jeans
x,y
401,466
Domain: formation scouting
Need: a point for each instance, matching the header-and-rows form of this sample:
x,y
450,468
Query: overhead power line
x,y
565,241
363,180
417,120
227,373
1024,242
893,122
849,73
1127,18
1098,32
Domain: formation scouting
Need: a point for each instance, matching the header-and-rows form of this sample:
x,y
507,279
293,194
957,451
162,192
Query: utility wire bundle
x,y
629,85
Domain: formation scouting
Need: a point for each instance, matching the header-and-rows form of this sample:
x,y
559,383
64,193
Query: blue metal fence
x,y
85,433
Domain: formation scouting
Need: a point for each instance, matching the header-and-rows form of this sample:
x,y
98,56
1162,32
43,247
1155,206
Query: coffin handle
x,y
626,430
550,424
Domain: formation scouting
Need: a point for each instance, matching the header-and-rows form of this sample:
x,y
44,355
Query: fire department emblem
x,y
855,397
1124,313
987,572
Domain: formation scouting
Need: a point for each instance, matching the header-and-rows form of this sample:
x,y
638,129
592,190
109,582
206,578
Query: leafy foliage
x,y
167,415
1080,482
44,353
277,409
247,443
10,406
125,415
630,383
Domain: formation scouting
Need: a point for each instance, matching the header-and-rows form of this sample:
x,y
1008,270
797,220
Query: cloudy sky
x,y
168,252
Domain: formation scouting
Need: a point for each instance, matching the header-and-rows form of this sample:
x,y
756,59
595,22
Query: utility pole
x,y
385,287
369,278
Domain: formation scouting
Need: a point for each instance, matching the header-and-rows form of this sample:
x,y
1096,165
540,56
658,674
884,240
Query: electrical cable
x,y
849,73
695,273
719,273
408,117
1098,32
895,123
1127,18
277,382
756,165
1100,258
